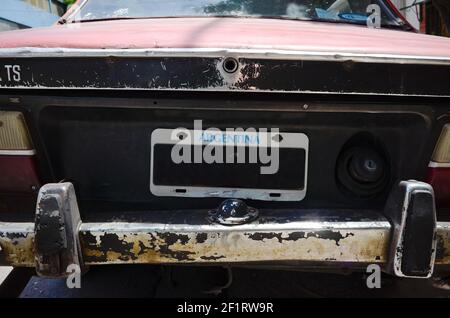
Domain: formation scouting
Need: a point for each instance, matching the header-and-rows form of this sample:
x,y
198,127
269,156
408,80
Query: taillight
x,y
17,162
439,168
441,154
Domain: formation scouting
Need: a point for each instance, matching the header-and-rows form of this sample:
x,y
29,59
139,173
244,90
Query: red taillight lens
x,y
17,155
439,168
439,178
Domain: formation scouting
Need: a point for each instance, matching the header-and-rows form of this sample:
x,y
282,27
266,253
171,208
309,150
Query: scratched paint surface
x,y
443,244
207,74
17,245
106,247
153,247
228,33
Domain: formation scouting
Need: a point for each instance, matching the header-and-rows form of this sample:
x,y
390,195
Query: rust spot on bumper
x,y
18,248
443,244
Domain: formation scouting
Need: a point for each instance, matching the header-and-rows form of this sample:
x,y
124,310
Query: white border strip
x,y
433,164
124,227
219,89
31,152
262,53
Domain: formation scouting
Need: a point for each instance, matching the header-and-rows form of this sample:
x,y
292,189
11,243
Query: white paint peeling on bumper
x,y
335,243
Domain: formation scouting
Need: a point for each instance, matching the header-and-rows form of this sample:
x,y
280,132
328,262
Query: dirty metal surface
x,y
443,243
191,239
306,74
17,244
56,230
137,243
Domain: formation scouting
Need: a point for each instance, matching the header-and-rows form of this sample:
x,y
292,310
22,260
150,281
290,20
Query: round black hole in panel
x,y
230,65
362,170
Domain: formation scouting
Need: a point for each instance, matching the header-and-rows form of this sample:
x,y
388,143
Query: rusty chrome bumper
x,y
339,239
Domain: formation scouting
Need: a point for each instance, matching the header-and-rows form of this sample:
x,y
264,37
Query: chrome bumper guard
x,y
341,240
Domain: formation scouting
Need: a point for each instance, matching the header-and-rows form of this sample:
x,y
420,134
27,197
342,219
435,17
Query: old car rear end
x,y
358,118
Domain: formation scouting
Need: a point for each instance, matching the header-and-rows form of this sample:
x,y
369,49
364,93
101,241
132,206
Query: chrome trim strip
x,y
213,227
433,164
220,89
17,152
260,53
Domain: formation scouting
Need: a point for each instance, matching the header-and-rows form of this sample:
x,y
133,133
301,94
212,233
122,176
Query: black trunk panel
x,y
105,151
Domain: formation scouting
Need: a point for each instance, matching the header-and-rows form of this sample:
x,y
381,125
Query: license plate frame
x,y
288,140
